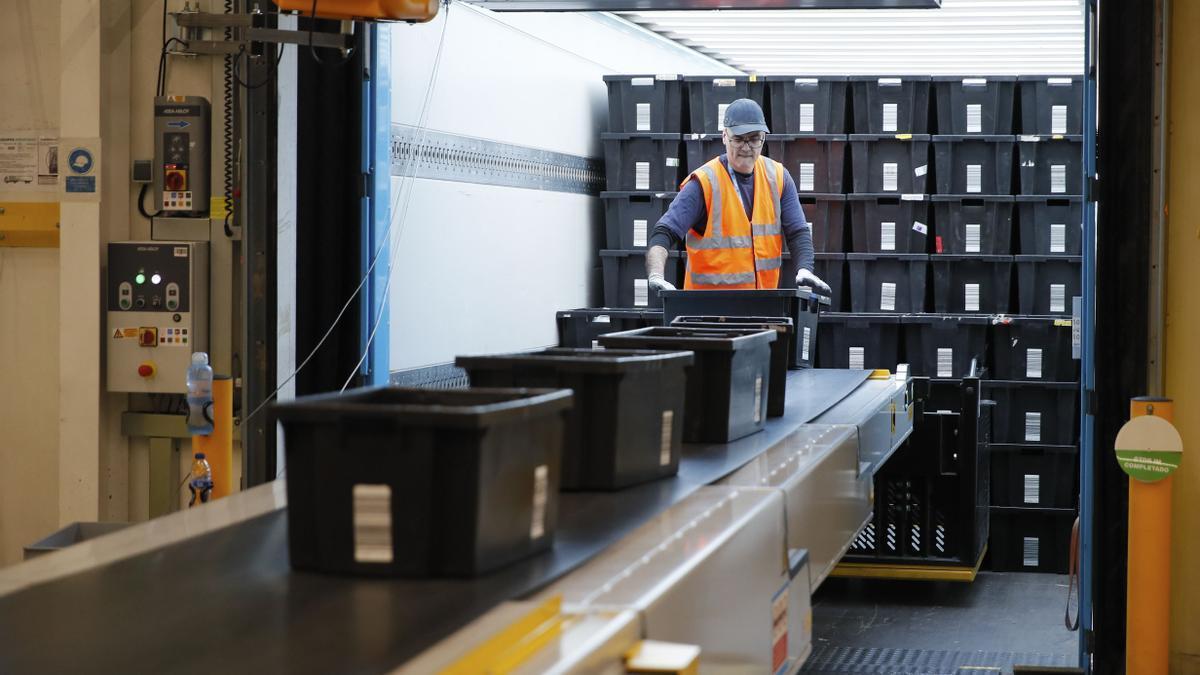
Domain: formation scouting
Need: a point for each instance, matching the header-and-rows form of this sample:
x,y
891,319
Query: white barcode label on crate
x,y
857,358
807,117
887,236
1033,363
641,175
891,174
664,443
372,523
1032,488
640,226
974,118
890,114
596,344
643,117
918,226
1058,119
1058,81
1058,238
974,178
758,399
541,492
1029,552
970,297
887,297
1058,298
721,116
724,82
806,81
1058,178
641,292
804,342
808,171
1033,427
671,161
945,362
642,82
921,170
974,237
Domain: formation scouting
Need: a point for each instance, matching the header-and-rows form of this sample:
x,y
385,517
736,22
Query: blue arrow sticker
x,y
179,124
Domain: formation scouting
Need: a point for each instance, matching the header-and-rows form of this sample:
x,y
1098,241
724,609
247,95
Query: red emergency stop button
x,y
175,180
146,370
147,337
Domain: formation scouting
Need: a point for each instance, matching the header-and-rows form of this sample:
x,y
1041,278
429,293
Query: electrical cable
x,y
269,77
378,252
142,206
227,128
162,63
312,21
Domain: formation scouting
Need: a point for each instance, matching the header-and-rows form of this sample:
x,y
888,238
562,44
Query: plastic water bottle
x,y
201,481
199,395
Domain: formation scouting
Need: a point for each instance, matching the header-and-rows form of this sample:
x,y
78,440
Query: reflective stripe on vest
x,y
737,251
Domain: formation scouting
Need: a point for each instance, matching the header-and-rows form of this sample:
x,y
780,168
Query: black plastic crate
x,y
645,103
859,341
1051,226
1051,104
643,161
980,165
893,164
727,386
700,148
799,305
887,283
945,346
1034,412
1046,284
781,349
974,225
708,97
626,425
625,283
817,162
889,223
1050,165
890,105
970,284
579,328
826,214
1035,476
1030,540
807,105
467,479
1033,348
975,105
630,217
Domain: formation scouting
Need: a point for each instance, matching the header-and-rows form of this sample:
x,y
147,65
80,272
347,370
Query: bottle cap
x,y
200,359
199,455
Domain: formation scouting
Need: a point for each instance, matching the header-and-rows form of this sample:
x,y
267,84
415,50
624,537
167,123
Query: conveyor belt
x,y
232,593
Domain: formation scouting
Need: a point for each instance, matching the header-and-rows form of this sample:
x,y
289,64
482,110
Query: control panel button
x,y
146,369
147,337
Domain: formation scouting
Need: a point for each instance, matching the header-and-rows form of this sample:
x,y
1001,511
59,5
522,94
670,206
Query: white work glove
x,y
806,278
658,283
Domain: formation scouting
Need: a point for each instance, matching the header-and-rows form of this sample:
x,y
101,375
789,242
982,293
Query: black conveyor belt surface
x,y
229,599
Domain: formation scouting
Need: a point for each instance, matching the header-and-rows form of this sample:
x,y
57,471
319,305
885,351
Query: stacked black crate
x,y
645,163
888,240
1035,455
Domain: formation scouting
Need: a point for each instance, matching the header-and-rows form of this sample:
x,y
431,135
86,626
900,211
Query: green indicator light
x,y
140,278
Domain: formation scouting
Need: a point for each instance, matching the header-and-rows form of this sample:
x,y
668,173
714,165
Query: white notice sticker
x,y
921,170
974,178
918,226
643,117
807,175
1058,238
721,116
945,362
672,161
1033,363
640,226
974,236
664,443
887,297
641,175
642,82
1058,119
372,523
541,492
641,292
807,118
974,118
887,236
1033,427
1058,298
857,358
970,297
891,172
889,117
1058,179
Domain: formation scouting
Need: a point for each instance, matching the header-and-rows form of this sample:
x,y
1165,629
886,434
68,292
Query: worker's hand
x,y
658,283
807,278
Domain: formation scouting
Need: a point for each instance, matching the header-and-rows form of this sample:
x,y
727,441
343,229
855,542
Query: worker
x,y
730,247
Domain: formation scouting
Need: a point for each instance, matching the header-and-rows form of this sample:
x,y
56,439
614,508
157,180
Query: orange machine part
x,y
418,11
1148,601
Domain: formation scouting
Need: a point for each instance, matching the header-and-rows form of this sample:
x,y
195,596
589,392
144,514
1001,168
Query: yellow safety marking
x,y
1062,322
29,224
216,207
904,137
509,648
654,656
881,374
908,572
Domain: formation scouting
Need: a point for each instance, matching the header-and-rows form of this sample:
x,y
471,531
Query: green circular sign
x,y
1149,448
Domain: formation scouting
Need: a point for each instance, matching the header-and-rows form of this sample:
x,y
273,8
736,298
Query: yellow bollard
x,y
1148,601
218,446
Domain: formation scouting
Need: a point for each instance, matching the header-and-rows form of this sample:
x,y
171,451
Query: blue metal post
x,y
377,140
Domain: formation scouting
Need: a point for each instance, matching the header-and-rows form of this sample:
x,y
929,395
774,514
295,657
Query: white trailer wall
x,y
482,268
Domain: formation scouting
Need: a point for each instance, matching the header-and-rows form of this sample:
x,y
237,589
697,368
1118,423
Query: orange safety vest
x,y
734,251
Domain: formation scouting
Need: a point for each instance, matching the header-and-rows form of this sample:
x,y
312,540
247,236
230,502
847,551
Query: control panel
x,y
181,154
157,297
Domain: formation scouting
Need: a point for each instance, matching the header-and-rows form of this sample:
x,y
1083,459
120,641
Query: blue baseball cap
x,y
744,116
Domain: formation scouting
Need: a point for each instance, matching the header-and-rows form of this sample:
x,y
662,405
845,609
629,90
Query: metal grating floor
x,y
830,660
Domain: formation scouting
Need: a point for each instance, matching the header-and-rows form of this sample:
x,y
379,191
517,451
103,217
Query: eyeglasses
x,y
748,141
